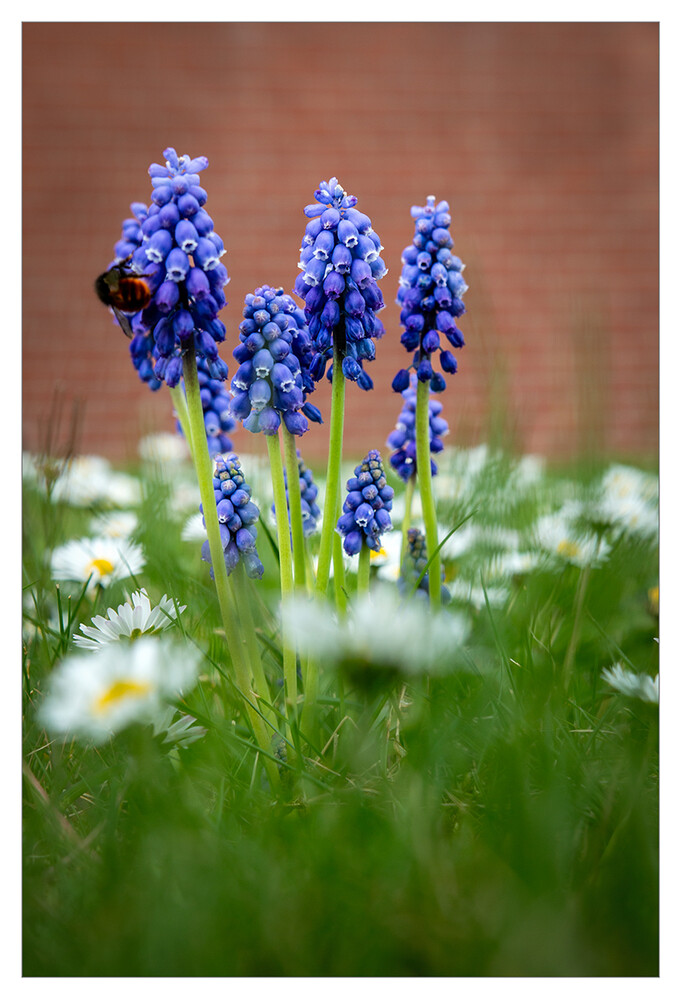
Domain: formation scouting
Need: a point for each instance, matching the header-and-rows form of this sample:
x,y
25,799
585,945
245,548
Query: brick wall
x,y
543,137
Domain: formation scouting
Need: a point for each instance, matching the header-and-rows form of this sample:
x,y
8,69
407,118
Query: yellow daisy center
x,y
568,548
118,691
381,553
100,565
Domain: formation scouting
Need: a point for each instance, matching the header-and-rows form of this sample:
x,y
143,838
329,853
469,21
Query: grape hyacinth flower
x,y
414,562
273,379
366,513
340,266
403,437
340,263
308,495
217,418
178,252
430,295
237,516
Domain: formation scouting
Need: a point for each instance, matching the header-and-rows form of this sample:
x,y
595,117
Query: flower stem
x,y
180,404
295,509
285,565
426,489
363,570
332,471
204,472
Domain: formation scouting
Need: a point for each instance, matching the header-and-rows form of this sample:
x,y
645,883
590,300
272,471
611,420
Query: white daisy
x,y
380,630
387,560
185,496
623,481
118,524
511,563
83,480
133,618
468,592
163,449
89,479
561,539
102,560
639,685
193,529
94,696
122,490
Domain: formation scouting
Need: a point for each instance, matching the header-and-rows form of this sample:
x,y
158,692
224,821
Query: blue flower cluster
x,y
178,253
414,562
340,263
237,516
403,437
274,354
366,510
308,496
216,416
430,294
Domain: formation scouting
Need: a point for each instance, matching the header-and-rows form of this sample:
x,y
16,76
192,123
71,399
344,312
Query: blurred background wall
x,y
543,138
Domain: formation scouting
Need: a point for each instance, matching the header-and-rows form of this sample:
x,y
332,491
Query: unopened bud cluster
x,y
237,517
366,510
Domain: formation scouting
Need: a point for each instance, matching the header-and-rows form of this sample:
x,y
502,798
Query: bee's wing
x,y
124,322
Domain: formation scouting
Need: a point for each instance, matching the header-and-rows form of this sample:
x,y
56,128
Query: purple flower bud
x,y
334,284
352,543
360,272
183,324
430,341
330,218
167,297
187,205
197,283
269,421
173,372
448,362
295,422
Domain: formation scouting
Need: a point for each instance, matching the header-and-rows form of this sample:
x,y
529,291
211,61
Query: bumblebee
x,y
126,293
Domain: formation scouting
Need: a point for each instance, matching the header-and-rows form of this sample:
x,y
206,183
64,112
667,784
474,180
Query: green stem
x,y
426,489
285,566
203,465
332,472
180,404
295,508
363,570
